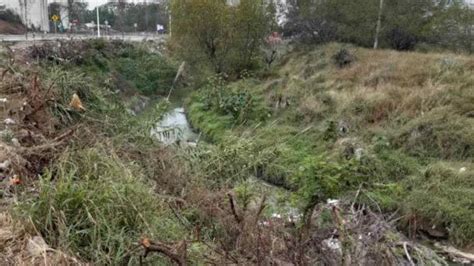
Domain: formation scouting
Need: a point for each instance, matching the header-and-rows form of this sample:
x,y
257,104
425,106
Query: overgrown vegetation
x,y
226,39
393,120
332,154
92,204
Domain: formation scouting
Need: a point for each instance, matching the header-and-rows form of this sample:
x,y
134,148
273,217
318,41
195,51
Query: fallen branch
x,y
51,145
408,254
177,252
455,252
238,219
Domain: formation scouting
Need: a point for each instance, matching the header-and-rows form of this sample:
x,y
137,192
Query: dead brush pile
x,y
229,231
29,142
72,51
29,139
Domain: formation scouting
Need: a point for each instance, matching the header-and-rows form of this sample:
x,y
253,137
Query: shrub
x,y
343,58
319,179
236,101
149,73
401,40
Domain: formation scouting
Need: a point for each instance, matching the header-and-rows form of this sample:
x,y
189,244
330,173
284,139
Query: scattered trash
x,y
456,255
37,246
358,153
4,165
76,103
16,142
333,244
462,170
9,121
276,215
15,180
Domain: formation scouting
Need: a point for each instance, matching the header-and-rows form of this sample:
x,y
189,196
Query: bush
x,y
401,40
343,58
150,73
236,101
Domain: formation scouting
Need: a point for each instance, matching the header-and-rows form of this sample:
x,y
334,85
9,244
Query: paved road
x,y
47,37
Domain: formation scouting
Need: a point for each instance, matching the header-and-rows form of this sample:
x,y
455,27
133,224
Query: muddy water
x,y
174,127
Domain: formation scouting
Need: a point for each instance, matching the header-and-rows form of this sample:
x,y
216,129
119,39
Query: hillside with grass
x,y
334,121
333,155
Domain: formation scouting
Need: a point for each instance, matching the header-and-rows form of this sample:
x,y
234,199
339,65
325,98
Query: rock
x,y
9,121
358,153
462,170
5,164
16,142
37,246
333,202
333,244
343,128
139,103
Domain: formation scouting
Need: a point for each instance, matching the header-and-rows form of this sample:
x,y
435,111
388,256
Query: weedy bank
x,y
103,191
390,130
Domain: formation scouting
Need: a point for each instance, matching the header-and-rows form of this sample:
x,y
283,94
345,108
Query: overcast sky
x,y
92,3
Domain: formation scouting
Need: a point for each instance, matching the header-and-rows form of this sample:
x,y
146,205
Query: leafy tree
x,y
201,28
145,16
452,28
252,24
228,38
407,22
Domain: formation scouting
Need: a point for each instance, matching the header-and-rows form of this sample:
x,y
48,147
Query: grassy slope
x,y
400,124
96,200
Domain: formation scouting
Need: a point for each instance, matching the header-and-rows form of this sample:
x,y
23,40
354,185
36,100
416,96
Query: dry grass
x,y
380,87
18,247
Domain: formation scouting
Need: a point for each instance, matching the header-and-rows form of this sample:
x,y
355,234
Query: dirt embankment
x,y
11,28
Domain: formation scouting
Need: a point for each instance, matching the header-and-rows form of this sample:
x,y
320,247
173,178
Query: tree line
x,y
232,38
397,24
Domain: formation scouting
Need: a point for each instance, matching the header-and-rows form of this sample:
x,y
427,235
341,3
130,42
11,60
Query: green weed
x,y
93,205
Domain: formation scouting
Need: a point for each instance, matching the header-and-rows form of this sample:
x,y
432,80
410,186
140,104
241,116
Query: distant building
x,y
33,13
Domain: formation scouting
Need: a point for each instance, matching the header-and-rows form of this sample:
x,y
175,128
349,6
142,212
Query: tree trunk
x,y
379,25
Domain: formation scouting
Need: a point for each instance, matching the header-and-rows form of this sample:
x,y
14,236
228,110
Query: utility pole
x,y
146,16
379,25
98,23
26,19
169,19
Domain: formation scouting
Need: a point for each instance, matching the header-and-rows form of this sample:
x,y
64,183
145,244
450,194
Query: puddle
x,y
174,127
